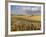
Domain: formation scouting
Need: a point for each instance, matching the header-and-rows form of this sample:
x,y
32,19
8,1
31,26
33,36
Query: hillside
x,y
24,23
33,18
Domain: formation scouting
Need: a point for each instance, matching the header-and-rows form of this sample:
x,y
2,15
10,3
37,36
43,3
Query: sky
x,y
25,10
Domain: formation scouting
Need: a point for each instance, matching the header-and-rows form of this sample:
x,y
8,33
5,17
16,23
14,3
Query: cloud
x,y
26,10
35,9
31,9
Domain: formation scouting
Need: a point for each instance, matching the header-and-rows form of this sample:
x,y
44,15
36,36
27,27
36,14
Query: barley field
x,y
25,23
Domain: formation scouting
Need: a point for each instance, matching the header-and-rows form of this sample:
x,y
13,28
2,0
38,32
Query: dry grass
x,y
25,23
34,18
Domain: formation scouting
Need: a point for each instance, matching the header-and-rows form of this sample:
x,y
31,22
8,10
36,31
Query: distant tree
x,y
32,15
20,15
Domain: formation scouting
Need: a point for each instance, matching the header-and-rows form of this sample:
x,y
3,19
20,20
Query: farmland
x,y
25,23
